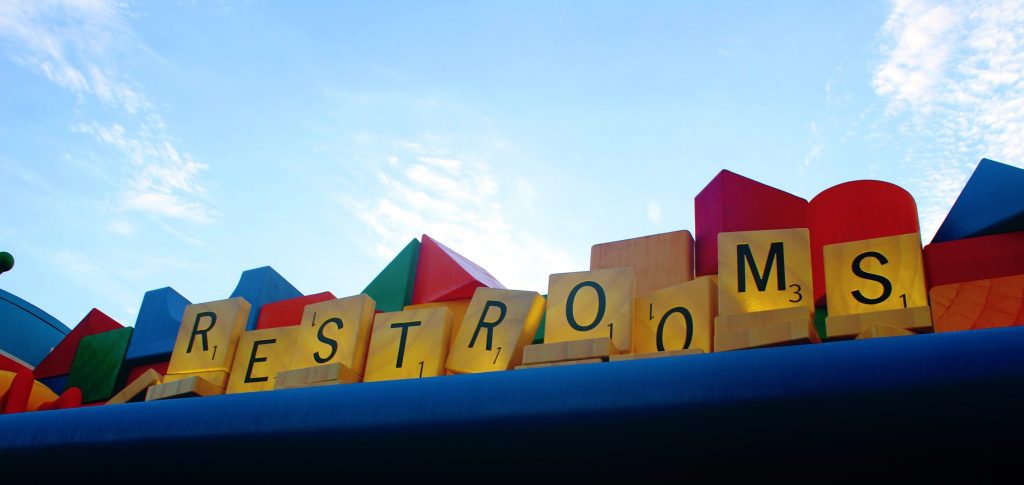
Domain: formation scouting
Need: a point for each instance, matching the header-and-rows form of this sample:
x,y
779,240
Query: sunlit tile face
x,y
335,331
261,355
764,270
591,304
497,325
409,344
679,317
885,273
208,336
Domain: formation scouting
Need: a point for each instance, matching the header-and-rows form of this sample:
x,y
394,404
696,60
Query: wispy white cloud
x,y
457,199
952,72
76,44
654,211
817,146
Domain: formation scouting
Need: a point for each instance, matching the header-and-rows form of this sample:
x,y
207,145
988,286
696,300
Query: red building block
x,y
854,211
443,274
71,398
732,202
137,371
15,398
288,312
975,258
58,362
11,363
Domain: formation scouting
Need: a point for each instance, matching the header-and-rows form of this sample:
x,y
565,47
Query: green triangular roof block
x,y
538,338
98,369
392,288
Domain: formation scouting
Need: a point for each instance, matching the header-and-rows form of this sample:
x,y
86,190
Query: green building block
x,y
392,288
98,369
820,314
538,338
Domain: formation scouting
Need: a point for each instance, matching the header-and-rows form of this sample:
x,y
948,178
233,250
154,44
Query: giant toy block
x,y
443,274
218,378
916,319
260,356
28,332
733,203
156,327
681,316
136,388
498,325
457,307
58,362
658,261
854,211
591,304
98,369
288,312
335,331
70,398
990,203
975,258
409,344
208,336
11,363
875,274
586,349
159,367
781,326
764,270
261,286
20,392
392,288
191,386
988,303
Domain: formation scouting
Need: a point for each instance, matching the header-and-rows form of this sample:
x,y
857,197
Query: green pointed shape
x,y
538,338
98,369
392,288
820,314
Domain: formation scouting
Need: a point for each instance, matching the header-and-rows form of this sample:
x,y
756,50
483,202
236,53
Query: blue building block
x,y
56,384
260,286
990,203
26,331
156,327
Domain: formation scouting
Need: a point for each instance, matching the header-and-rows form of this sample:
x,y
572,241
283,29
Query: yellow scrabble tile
x,y
192,386
137,387
208,335
678,317
335,331
659,260
409,344
497,325
591,304
597,348
458,309
764,329
218,378
261,355
336,373
559,364
654,355
916,319
875,274
764,270
878,331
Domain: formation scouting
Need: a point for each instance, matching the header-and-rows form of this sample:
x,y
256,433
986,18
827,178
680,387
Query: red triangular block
x,y
443,275
58,362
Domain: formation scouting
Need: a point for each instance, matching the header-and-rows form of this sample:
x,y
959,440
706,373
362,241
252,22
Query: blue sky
x,y
177,144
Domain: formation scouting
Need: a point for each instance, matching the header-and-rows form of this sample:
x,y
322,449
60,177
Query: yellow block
x,y
916,319
137,387
764,270
261,355
654,355
458,309
591,304
336,373
764,329
878,331
875,274
497,325
596,348
409,344
678,317
559,364
335,331
192,386
218,378
208,335
659,261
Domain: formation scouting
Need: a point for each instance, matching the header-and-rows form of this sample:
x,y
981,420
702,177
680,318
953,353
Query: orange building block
x,y
989,303
658,261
